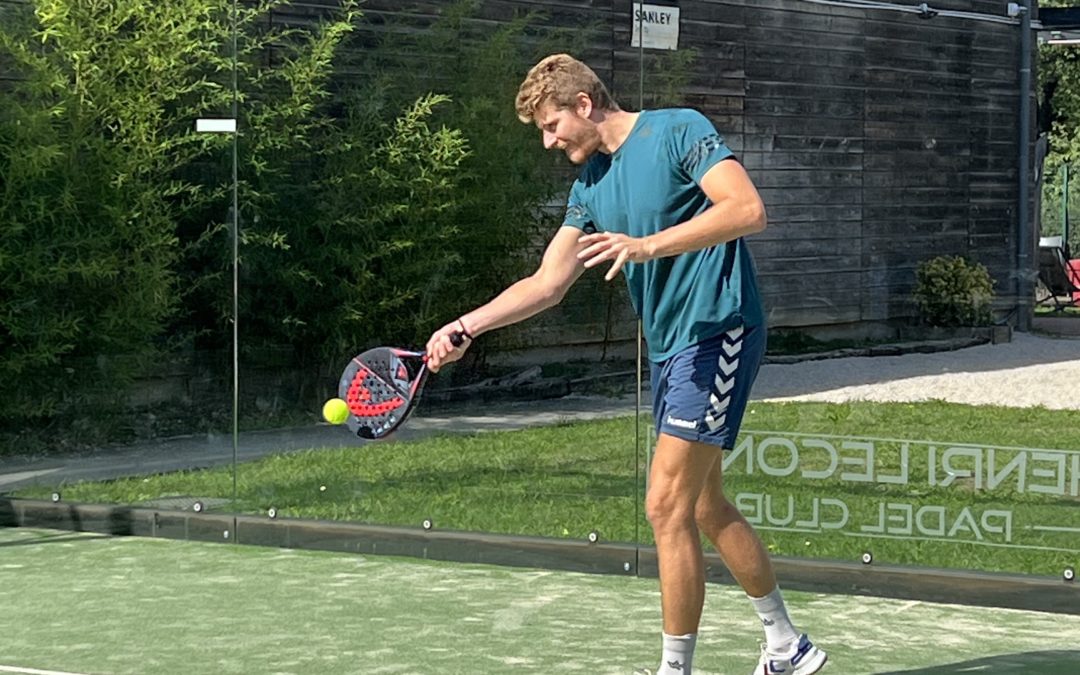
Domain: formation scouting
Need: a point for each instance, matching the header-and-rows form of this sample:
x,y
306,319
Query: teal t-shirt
x,y
652,182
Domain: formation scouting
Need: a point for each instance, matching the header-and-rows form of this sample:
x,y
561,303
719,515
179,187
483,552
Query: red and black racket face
x,y
380,387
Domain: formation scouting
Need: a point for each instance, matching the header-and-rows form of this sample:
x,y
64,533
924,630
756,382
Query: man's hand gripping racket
x,y
381,387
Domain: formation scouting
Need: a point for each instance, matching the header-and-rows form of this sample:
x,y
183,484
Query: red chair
x,y
1059,276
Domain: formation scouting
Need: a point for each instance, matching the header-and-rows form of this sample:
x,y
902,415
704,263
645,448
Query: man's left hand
x,y
620,248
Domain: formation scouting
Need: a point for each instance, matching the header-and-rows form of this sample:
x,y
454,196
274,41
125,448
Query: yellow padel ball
x,y
335,411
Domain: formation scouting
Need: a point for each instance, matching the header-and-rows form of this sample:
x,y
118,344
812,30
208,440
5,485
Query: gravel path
x,y
1031,370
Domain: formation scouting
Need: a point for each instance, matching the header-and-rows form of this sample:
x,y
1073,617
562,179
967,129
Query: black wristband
x,y
464,331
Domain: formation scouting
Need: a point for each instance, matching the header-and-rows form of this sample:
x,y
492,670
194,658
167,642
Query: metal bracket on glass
x,y
1069,574
594,537
867,557
427,524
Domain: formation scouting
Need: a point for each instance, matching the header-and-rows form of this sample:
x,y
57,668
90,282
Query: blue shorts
x,y
700,394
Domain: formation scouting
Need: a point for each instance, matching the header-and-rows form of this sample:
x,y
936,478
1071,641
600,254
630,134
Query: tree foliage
x,y
90,138
369,211
1059,118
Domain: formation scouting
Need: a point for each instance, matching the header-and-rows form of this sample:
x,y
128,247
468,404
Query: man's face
x,y
569,130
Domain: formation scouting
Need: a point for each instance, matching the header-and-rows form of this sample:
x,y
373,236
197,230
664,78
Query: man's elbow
x,y
756,219
555,295
549,292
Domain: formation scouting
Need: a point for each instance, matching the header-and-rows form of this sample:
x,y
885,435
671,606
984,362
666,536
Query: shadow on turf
x,y
118,522
1058,661
53,539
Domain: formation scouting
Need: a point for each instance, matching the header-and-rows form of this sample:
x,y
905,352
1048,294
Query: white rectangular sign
x,y
210,125
660,25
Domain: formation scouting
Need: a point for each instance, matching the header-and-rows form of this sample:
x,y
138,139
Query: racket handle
x,y
457,338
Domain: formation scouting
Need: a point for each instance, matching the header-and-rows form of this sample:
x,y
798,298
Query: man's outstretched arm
x,y
545,288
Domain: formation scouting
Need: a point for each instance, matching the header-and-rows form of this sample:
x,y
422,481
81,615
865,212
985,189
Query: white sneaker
x,y
803,659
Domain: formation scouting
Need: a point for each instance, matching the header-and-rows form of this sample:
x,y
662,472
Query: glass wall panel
x,y
898,419
208,214
389,189
115,254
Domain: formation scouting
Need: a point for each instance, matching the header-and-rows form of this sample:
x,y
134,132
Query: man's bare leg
x,y
748,560
676,480
735,539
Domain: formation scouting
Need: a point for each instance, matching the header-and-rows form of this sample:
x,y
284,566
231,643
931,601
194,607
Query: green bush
x,y
952,291
342,197
390,214
91,132
507,175
384,214
114,212
336,253
372,207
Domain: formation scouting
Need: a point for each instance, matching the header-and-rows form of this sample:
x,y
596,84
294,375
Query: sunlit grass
x,y
568,480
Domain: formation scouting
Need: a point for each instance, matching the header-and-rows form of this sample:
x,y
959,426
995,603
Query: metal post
x,y
1065,208
1025,273
235,254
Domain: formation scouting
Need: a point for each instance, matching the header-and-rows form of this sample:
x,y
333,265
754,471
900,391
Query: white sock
x,y
780,635
678,654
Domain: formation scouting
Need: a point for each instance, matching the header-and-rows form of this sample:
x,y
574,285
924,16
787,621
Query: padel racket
x,y
381,388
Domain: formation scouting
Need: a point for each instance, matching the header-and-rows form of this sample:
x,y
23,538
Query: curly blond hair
x,y
559,78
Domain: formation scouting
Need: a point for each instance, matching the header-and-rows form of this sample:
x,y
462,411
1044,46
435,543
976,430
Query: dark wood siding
x,y
877,139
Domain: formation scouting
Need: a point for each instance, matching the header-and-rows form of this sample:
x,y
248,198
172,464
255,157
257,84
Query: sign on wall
x,y
660,25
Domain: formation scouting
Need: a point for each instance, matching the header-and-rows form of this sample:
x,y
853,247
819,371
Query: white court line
x,y
1052,528
33,671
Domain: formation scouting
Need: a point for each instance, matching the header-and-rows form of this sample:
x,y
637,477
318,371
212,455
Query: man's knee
x,y
666,508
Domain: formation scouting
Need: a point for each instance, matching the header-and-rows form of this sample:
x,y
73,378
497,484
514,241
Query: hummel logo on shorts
x,y
685,424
